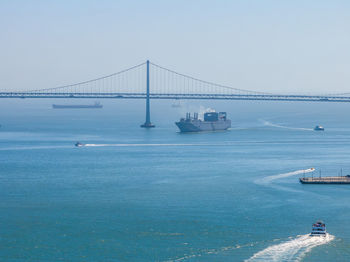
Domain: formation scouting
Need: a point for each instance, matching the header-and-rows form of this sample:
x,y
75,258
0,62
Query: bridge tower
x,y
148,123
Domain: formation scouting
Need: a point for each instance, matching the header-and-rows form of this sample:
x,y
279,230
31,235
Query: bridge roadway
x,y
256,97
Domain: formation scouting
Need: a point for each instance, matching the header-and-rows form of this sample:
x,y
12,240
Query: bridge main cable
x,y
131,83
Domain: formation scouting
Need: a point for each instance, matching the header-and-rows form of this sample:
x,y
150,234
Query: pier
x,y
326,180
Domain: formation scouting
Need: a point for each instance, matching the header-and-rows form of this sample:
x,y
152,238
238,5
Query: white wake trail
x,y
292,250
140,145
267,123
270,179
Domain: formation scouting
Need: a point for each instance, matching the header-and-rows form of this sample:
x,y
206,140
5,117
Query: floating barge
x,y
326,180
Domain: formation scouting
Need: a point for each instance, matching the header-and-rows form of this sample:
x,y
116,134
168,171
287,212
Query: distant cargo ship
x,y
213,121
96,105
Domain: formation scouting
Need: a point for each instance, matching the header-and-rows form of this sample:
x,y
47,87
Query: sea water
x,y
134,194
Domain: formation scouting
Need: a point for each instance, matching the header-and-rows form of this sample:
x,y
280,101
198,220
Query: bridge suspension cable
x,y
202,86
132,81
100,84
164,84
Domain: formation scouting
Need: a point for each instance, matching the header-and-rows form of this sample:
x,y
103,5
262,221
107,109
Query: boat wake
x,y
208,252
139,145
270,179
292,250
32,147
267,123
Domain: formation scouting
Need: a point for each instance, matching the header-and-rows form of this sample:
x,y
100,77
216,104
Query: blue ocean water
x,y
158,195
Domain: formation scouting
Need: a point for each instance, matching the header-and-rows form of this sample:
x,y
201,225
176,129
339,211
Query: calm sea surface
x,y
158,195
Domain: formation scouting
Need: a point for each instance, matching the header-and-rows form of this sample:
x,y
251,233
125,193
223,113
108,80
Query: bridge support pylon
x,y
148,123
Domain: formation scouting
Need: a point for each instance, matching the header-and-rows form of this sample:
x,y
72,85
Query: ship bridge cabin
x,y
214,116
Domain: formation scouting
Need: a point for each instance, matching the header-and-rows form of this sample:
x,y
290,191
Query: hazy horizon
x,y
271,46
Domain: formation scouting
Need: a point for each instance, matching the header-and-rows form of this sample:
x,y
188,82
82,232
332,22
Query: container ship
x,y
96,105
213,121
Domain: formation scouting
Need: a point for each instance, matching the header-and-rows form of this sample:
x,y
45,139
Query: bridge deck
x,y
307,98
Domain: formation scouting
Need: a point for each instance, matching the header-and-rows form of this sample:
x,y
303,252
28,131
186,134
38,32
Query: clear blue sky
x,y
284,46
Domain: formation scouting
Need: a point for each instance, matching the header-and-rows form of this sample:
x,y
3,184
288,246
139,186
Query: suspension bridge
x,y
151,81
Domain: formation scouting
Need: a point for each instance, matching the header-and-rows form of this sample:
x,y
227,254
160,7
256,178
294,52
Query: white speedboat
x,y
318,229
319,128
78,144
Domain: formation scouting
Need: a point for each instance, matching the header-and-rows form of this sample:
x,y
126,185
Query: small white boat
x,y
319,128
318,229
78,144
176,104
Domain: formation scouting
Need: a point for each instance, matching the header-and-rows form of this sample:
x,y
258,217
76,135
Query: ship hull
x,y
318,235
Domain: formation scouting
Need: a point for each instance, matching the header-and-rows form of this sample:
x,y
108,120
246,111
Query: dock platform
x,y
325,180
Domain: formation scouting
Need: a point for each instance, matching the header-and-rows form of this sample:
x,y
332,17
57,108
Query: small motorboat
x,y
319,128
176,104
78,144
318,229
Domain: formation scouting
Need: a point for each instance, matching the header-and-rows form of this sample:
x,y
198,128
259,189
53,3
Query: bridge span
x,y
151,81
